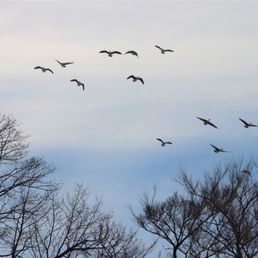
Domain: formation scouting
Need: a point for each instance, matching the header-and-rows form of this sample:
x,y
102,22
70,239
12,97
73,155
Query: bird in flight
x,y
163,51
135,78
134,53
64,64
246,124
217,149
163,143
43,69
207,122
78,83
110,53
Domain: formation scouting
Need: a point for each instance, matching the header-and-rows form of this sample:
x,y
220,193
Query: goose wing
x,y
160,140
67,63
168,142
132,52
104,51
38,67
115,52
74,80
243,121
202,119
211,124
141,80
48,69
215,148
131,76
168,50
158,47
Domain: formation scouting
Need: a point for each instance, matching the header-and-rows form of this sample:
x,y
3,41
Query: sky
x,y
105,136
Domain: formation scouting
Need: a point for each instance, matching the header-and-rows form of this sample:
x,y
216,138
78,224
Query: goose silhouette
x,y
110,53
64,64
43,69
207,122
217,149
132,52
163,51
78,83
163,143
246,124
135,78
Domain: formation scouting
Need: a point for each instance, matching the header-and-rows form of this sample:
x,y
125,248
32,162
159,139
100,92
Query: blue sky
x,y
105,136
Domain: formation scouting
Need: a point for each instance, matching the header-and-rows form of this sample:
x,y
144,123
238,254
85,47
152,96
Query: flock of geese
x,y
137,78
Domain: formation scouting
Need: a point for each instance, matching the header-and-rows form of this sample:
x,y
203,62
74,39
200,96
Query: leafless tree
x,y
73,228
231,194
216,216
36,221
175,220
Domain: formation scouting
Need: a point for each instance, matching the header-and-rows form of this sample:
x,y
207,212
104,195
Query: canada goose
x,y
135,78
207,122
163,143
216,149
43,69
110,53
246,125
164,50
134,53
64,64
78,83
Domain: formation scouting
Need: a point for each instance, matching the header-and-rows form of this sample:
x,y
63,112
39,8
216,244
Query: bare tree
x,y
216,216
231,194
175,220
36,222
73,228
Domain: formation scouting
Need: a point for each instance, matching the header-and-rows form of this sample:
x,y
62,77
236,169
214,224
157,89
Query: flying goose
x,y
246,125
163,143
78,83
64,64
216,149
134,53
110,53
135,78
164,50
43,69
207,122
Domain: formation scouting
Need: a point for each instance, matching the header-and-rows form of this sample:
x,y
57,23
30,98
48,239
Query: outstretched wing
x,y
47,69
104,51
131,76
74,80
38,67
141,80
159,47
132,52
168,50
168,142
115,52
215,148
67,63
160,140
242,120
202,119
211,124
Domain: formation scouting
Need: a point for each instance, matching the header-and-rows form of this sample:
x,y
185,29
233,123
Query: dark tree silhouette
x,y
36,221
216,216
